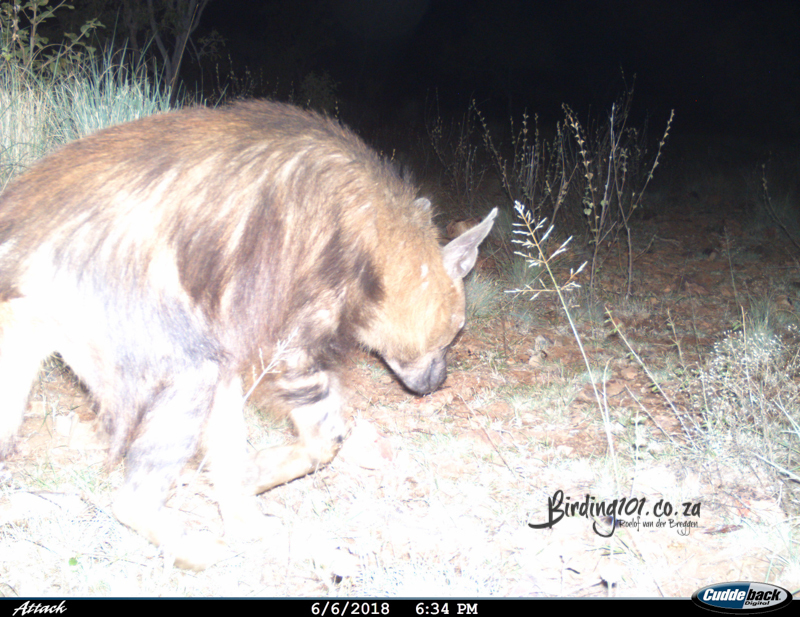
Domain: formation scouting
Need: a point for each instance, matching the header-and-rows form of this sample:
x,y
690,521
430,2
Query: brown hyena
x,y
162,256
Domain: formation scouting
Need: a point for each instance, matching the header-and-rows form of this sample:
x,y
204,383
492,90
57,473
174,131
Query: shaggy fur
x,y
161,257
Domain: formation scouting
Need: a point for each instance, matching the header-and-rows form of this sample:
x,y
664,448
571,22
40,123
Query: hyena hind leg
x,y
170,436
321,430
23,346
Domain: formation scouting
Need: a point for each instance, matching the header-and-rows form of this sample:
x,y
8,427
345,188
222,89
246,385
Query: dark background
x,y
727,68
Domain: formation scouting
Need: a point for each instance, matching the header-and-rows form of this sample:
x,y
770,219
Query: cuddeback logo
x,y
742,597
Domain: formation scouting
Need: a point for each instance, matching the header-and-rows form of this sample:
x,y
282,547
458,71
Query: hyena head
x,y
423,307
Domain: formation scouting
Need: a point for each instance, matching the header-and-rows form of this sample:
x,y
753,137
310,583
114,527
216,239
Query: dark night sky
x,y
726,67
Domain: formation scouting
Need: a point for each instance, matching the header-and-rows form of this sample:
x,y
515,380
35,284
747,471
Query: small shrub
x,y
750,381
105,93
483,296
750,400
456,148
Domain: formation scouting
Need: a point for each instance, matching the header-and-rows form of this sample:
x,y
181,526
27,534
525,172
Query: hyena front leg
x,y
168,437
226,445
321,430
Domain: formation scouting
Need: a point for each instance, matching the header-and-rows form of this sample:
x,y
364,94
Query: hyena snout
x,y
424,375
428,372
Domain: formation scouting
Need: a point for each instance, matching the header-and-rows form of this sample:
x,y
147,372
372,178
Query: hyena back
x,y
163,256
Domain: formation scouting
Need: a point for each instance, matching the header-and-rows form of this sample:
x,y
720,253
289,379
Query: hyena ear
x,y
460,254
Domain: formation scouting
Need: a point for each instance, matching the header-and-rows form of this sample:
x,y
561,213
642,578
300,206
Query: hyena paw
x,y
190,550
244,521
196,551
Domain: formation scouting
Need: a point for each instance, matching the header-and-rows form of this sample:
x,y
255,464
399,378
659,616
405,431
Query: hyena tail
x,y
23,346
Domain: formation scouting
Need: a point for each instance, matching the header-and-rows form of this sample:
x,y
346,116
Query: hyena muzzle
x,y
162,257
